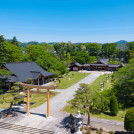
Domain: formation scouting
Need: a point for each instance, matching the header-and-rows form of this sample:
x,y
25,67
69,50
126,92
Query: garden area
x,y
74,78
35,99
101,98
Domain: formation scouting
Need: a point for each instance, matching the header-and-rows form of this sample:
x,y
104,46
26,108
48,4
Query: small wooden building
x,y
102,65
21,71
75,66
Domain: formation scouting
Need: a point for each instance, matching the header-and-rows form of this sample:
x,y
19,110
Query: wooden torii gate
x,y
29,86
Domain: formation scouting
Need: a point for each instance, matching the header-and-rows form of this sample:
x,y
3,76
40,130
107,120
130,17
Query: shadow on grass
x,y
108,113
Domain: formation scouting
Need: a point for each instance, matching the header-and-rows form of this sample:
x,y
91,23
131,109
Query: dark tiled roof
x,y
25,70
35,74
87,65
12,79
113,65
98,65
77,64
103,61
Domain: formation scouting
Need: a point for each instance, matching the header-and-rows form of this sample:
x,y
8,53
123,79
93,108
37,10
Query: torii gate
x,y
29,86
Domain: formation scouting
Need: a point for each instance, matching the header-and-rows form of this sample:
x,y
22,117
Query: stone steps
x,y
24,129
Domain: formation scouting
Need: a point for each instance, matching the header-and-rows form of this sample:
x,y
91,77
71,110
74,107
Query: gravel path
x,y
60,101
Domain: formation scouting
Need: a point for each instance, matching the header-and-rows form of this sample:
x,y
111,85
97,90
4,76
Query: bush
x,y
111,132
88,131
129,120
99,131
113,106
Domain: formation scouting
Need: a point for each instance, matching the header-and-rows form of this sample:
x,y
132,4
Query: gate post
x,y
48,103
28,92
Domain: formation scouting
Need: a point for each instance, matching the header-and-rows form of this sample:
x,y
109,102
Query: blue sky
x,y
67,20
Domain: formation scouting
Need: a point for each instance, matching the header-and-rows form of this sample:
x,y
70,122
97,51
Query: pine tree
x,y
14,41
114,105
83,99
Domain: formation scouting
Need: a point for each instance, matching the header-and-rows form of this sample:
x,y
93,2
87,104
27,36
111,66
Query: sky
x,y
67,20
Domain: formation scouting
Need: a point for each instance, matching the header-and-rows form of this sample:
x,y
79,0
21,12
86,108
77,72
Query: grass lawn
x,y
106,115
96,86
38,98
74,78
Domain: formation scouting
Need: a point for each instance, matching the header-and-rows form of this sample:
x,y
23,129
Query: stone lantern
x,y
54,81
101,86
111,71
107,78
68,76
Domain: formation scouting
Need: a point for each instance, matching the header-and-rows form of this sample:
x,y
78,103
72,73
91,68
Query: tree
x,y
4,56
101,100
81,47
113,106
123,84
81,57
93,49
4,74
108,49
129,120
83,99
119,53
14,53
2,38
62,47
45,59
15,42
12,96
130,45
49,48
34,51
9,52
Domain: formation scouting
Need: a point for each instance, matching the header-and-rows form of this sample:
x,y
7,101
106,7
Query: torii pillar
x,y
28,94
48,103
28,86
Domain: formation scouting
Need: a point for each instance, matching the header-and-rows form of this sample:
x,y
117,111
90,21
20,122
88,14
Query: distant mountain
x,y
121,42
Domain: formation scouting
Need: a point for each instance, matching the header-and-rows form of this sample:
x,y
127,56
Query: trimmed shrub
x,y
129,120
113,105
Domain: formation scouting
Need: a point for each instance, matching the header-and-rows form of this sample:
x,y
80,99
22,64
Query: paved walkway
x,y
60,100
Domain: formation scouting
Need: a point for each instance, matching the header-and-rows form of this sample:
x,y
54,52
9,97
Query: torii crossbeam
x,y
29,86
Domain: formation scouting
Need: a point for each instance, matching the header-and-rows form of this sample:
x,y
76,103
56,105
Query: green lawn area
x,y
74,78
106,115
96,86
38,98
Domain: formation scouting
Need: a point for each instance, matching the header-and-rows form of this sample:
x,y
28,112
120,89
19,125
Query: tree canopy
x,y
123,85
